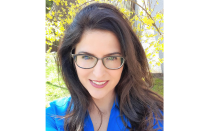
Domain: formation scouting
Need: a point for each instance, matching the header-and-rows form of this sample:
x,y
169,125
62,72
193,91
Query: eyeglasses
x,y
87,61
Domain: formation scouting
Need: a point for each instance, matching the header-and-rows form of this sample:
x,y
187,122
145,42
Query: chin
x,y
97,95
100,93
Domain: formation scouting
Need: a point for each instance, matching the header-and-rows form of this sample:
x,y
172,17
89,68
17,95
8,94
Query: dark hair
x,y
137,102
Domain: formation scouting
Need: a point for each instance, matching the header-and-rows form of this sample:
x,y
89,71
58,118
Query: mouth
x,y
98,84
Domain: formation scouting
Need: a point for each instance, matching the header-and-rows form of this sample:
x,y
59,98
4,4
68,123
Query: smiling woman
x,y
106,72
100,43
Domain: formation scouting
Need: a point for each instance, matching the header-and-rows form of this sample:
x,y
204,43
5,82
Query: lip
x,y
98,86
98,81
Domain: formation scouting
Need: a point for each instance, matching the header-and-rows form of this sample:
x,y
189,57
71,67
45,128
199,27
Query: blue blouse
x,y
59,107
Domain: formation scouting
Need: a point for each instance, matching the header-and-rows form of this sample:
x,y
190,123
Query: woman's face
x,y
99,43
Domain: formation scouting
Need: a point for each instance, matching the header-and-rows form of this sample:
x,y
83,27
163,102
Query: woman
x,y
106,72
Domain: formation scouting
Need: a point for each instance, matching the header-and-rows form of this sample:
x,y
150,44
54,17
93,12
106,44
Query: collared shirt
x,y
59,107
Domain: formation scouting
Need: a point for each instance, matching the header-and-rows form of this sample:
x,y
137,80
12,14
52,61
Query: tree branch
x,y
148,15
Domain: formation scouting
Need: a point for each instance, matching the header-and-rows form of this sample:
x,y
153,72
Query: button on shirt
x,y
59,107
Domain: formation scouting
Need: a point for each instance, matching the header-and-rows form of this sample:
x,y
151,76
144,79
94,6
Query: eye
x,y
111,58
86,57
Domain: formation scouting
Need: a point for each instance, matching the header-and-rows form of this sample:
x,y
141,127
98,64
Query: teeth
x,y
98,83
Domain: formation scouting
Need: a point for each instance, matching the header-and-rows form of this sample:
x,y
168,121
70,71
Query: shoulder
x,y
55,112
59,106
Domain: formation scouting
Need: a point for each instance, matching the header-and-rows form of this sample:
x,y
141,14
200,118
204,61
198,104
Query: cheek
x,y
116,75
82,74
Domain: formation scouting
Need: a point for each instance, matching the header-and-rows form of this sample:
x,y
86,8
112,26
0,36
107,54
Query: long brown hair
x,y
137,102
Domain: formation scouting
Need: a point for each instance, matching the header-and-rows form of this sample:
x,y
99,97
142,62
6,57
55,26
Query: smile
x,y
97,84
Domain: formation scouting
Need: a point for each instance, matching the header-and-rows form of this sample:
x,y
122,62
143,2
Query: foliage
x,y
55,87
54,92
149,21
48,5
158,86
52,75
63,12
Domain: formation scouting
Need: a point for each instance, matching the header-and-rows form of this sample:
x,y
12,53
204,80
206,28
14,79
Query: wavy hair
x,y
137,102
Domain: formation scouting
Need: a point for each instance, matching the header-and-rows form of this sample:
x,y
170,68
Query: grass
x,y
54,92
158,86
55,87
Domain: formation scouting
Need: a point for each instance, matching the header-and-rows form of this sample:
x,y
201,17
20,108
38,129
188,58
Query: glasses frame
x,y
74,55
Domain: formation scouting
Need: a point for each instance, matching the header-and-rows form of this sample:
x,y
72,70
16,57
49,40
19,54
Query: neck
x,y
104,104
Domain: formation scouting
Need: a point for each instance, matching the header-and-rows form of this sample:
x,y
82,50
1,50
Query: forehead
x,y
98,42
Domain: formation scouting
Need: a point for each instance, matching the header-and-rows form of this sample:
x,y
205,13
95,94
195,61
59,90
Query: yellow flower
x,y
48,8
65,3
141,12
148,55
158,16
147,21
49,16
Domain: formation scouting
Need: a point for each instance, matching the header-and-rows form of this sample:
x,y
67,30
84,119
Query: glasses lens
x,y
85,61
113,62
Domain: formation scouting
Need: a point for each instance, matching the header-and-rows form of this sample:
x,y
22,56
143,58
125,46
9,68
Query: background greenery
x,y
48,5
55,87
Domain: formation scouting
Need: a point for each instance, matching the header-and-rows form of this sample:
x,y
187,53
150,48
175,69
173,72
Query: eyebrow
x,y
83,52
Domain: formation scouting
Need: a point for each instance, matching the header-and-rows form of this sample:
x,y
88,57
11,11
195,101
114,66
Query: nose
x,y
99,70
